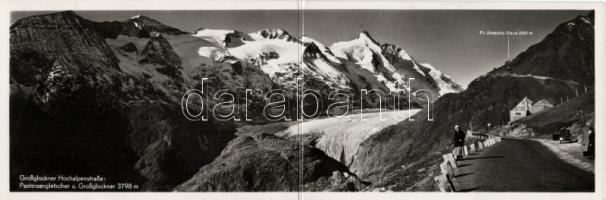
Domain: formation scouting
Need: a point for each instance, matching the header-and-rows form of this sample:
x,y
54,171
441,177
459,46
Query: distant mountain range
x,y
362,63
105,98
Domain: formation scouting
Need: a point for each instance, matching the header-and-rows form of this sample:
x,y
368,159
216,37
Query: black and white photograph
x,y
303,100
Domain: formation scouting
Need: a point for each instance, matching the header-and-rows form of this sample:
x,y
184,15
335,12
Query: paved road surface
x,y
520,165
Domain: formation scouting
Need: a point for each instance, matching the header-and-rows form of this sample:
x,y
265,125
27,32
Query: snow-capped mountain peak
x,y
367,53
143,18
403,54
143,26
393,50
273,33
323,49
278,54
363,50
443,81
215,36
364,35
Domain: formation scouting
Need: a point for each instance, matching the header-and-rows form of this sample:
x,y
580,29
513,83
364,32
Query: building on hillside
x,y
521,110
527,107
541,105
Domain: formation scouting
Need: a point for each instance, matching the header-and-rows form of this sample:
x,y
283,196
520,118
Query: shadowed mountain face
x,y
82,106
567,54
556,67
267,162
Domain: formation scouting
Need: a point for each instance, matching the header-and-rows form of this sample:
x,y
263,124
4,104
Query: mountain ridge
x,y
219,37
487,99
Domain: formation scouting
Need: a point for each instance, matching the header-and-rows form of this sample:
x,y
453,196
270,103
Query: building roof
x,y
524,104
543,102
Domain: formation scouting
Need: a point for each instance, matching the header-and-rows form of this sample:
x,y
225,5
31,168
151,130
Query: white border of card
x,y
22,5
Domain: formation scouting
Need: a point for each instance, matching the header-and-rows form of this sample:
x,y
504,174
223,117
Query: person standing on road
x,y
590,143
585,137
459,142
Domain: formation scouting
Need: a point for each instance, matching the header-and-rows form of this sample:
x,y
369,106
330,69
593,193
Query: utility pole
x,y
508,34
508,58
470,127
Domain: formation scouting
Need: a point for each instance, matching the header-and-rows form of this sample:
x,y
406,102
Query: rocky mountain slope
x,y
266,162
541,72
565,54
78,106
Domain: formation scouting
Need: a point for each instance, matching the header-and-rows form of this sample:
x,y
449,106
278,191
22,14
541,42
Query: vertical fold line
x,y
298,107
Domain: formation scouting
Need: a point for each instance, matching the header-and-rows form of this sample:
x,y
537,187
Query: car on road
x,y
555,136
565,136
